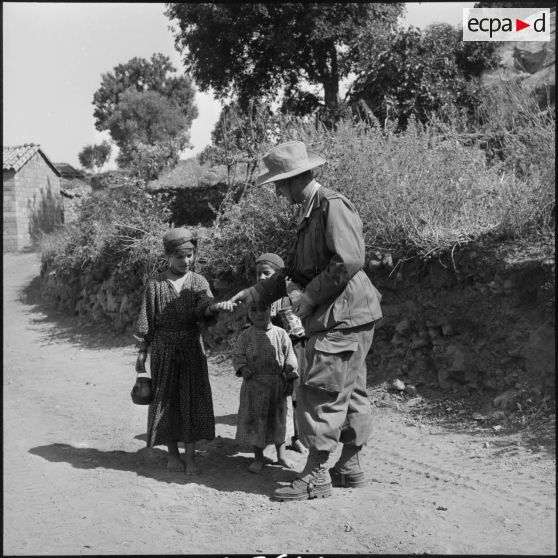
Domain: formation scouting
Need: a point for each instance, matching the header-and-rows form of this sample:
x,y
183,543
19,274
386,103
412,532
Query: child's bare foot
x,y
298,446
282,457
286,462
256,466
175,464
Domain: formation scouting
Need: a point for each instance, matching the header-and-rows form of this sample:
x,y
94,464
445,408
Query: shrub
x,y
419,191
118,230
258,223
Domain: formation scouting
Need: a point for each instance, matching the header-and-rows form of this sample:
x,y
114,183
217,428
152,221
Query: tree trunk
x,y
331,83
331,94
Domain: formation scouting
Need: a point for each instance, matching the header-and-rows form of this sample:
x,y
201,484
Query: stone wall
x,y
95,298
32,203
484,325
9,221
474,322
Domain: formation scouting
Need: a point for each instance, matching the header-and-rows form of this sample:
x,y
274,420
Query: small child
x,y
264,357
266,265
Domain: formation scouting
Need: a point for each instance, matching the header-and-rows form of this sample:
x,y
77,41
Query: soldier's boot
x,y
313,482
347,472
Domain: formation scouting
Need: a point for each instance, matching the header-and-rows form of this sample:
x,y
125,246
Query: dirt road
x,y
79,480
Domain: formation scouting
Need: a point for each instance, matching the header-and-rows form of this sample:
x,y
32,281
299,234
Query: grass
x,y
419,192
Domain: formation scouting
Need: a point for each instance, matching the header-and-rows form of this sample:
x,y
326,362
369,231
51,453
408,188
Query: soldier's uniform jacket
x,y
327,260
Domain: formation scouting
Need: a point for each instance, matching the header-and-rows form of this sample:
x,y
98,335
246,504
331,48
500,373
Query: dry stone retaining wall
x,y
481,326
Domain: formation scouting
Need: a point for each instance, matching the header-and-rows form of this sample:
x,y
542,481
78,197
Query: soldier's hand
x,y
303,308
245,296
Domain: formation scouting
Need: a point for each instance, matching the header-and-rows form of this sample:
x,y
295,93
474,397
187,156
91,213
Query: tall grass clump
x,y
118,234
423,190
518,128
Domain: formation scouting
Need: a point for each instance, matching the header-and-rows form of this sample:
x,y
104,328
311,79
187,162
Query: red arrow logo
x,y
519,25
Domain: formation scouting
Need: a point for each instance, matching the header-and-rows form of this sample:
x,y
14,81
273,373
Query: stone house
x,y
31,196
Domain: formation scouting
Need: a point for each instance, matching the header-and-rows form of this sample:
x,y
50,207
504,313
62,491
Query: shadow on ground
x,y
65,328
222,467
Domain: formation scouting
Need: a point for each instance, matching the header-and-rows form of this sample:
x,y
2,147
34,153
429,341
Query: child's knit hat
x,y
271,259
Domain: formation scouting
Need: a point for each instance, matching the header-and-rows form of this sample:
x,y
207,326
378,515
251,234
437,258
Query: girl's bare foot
x,y
175,464
189,454
256,466
191,467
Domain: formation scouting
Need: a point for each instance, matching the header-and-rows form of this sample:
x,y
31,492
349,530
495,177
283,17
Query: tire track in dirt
x,y
395,452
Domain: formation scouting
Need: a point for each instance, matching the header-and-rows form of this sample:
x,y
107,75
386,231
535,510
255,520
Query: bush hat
x,y
179,238
286,160
271,259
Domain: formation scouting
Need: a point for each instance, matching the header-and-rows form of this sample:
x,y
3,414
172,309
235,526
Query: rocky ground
x,y
449,471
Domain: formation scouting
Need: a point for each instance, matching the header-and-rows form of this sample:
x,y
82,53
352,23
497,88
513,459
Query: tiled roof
x,y
67,171
13,158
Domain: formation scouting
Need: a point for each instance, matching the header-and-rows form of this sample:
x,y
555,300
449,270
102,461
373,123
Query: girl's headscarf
x,y
179,238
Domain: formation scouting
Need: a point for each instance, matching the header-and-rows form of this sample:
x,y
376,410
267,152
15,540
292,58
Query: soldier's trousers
x,y
332,402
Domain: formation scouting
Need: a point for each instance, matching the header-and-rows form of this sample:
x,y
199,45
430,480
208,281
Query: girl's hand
x,y
225,306
140,363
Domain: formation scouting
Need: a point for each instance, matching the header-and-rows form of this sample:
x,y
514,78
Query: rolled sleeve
x,y
271,289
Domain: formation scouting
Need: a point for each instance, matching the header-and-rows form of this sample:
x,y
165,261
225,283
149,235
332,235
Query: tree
x,y
94,157
147,161
420,73
252,50
146,108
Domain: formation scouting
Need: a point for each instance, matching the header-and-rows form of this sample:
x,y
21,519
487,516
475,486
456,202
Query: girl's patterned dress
x,y
262,414
169,322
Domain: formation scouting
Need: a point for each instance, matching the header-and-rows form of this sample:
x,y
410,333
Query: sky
x,y
55,53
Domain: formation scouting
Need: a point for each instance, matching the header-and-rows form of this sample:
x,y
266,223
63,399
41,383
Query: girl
x,y
174,304
266,266
264,357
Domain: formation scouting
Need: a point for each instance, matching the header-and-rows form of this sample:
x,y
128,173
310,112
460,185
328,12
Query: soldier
x,y
338,306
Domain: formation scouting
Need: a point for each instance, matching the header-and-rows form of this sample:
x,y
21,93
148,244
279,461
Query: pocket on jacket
x,y
329,363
